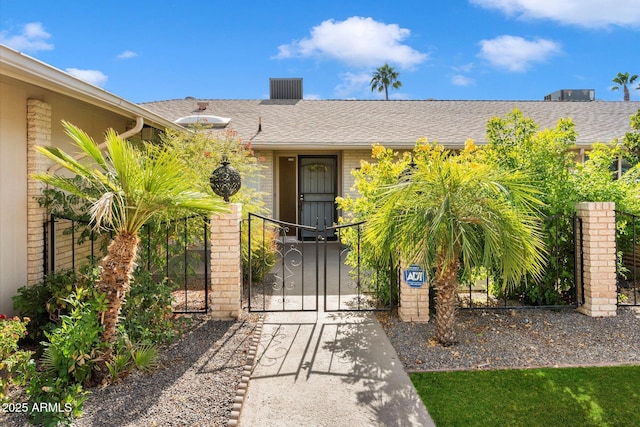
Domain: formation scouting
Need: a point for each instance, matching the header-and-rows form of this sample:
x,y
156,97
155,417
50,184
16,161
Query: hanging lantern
x,y
405,175
225,180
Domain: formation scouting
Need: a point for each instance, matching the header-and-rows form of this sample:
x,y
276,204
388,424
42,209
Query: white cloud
x,y
460,80
352,83
32,38
515,53
127,54
466,68
585,13
312,97
356,41
94,77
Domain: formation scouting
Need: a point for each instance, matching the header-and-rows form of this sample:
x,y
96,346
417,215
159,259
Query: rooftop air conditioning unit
x,y
572,95
285,88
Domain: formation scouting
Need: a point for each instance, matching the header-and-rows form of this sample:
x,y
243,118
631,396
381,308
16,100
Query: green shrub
x,y
45,302
371,180
59,400
147,312
69,356
128,356
119,366
263,253
73,346
16,366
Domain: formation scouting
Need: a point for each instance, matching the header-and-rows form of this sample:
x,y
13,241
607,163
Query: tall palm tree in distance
x,y
384,77
125,187
623,79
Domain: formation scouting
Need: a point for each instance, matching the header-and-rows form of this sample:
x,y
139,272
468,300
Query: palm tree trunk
x,y
446,286
117,268
626,93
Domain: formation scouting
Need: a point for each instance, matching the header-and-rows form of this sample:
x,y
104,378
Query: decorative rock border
x,y
241,393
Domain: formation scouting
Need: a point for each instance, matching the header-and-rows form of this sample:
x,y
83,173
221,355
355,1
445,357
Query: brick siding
x,y
38,133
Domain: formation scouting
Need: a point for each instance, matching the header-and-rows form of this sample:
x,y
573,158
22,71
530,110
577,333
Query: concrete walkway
x,y
329,369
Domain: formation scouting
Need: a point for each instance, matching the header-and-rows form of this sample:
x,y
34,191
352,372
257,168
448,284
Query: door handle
x,y
302,197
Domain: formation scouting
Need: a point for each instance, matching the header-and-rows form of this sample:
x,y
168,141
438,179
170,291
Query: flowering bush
x,y
372,179
15,365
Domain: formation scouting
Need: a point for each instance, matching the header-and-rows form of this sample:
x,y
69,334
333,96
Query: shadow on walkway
x,y
321,369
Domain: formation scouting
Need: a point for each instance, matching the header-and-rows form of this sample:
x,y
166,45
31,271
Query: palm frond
x,y
63,183
84,142
64,160
451,208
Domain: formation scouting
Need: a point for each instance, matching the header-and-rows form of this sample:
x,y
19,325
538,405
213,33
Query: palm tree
x,y
125,188
458,214
384,77
623,79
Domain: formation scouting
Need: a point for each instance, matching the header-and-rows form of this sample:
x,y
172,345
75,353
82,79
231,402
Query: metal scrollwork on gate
x,y
302,257
286,273
283,288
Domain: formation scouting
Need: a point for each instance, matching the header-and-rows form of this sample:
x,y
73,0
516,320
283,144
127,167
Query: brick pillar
x,y
599,254
226,273
414,302
38,133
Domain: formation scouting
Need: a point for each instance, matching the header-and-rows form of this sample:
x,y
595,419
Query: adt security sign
x,y
414,276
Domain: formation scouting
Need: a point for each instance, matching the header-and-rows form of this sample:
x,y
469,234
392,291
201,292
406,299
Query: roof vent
x,y
202,105
285,88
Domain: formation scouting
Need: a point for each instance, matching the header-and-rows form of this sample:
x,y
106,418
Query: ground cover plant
x,y
68,333
602,396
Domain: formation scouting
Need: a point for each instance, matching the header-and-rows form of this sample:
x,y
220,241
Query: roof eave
x,y
24,68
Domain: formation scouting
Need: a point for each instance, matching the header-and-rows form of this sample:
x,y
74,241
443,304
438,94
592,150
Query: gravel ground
x,y
197,383
519,339
196,386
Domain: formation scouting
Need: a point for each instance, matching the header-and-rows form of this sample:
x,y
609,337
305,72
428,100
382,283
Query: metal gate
x,y
628,260
295,267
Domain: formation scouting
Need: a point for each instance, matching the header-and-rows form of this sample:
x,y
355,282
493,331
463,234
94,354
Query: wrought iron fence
x,y
628,259
560,286
178,250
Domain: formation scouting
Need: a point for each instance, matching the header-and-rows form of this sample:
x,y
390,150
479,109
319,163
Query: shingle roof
x,y
358,124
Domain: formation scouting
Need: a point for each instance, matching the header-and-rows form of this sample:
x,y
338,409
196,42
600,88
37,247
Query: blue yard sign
x,y
414,276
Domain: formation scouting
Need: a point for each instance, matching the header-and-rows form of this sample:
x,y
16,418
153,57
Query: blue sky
x,y
455,49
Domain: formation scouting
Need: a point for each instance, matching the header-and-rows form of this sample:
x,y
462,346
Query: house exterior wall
x,y
30,116
38,134
13,194
351,160
266,181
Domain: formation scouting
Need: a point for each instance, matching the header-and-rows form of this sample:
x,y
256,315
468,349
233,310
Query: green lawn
x,y
539,397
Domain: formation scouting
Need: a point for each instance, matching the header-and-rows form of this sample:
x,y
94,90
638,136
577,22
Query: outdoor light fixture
x,y
225,180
